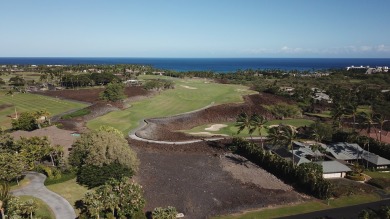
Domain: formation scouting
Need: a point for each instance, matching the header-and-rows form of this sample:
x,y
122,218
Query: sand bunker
x,y
188,87
215,127
206,133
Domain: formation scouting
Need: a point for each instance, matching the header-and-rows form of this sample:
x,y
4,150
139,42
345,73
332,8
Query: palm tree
x,y
283,135
258,122
367,122
243,121
381,120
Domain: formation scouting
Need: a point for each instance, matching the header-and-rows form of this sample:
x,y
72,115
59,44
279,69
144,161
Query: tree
x,y
258,122
34,149
321,131
101,150
243,121
7,143
384,212
17,81
121,198
42,117
26,122
4,197
93,176
113,92
381,120
366,121
283,135
11,166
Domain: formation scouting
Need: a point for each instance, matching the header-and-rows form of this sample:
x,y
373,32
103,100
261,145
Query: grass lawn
x,y
188,95
43,211
70,190
33,102
302,208
377,174
231,129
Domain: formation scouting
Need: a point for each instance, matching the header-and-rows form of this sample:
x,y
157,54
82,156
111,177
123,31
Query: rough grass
x,y
303,208
172,102
43,211
231,129
24,102
70,190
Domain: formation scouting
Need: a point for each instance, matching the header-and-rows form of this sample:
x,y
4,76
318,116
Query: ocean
x,y
209,64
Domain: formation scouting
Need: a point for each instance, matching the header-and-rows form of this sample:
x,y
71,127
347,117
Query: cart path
x,y
36,188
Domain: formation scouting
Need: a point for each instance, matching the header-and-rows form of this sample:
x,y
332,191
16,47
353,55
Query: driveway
x,y
60,206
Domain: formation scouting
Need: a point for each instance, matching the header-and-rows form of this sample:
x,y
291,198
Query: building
x,y
333,169
354,153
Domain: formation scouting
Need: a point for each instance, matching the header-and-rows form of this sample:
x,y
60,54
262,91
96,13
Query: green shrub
x,y
63,177
164,213
39,168
355,177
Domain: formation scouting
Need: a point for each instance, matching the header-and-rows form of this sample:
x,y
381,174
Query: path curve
x,y
60,206
143,123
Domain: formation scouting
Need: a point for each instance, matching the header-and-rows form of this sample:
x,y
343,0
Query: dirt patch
x,y
192,178
92,95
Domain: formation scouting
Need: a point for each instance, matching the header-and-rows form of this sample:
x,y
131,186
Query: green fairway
x,y
231,129
188,95
23,102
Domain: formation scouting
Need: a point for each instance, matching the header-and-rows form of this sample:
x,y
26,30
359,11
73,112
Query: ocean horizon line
x,y
140,57
205,64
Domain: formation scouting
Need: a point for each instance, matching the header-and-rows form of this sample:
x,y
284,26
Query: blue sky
x,y
195,28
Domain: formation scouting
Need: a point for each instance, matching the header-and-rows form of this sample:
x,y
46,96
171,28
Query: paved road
x,y
60,206
338,213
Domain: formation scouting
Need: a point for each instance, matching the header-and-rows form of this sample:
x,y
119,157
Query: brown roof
x,y
55,135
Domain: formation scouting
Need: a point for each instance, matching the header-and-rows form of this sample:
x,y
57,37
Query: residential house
x,y
353,152
333,169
